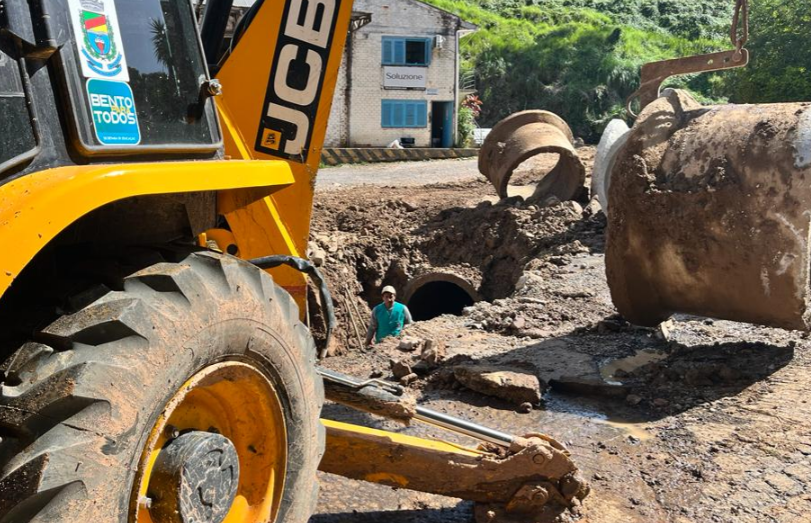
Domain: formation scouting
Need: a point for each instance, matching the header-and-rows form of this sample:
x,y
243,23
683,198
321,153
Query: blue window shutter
x,y
428,50
398,114
404,113
388,50
385,116
422,114
411,114
399,51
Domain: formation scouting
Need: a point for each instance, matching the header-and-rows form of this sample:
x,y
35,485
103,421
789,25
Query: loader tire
x,y
79,405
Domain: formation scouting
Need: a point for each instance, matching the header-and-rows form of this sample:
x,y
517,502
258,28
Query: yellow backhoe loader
x,y
150,371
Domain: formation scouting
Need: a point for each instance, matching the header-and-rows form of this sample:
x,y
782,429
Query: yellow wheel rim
x,y
238,402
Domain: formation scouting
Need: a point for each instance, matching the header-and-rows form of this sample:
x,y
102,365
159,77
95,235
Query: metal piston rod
x,y
369,393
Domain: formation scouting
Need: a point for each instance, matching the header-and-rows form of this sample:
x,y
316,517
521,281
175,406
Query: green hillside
x,y
581,58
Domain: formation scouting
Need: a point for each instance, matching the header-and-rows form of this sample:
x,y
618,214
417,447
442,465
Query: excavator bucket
x,y
710,211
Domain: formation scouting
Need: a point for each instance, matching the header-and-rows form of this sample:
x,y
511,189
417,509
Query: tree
x,y
780,47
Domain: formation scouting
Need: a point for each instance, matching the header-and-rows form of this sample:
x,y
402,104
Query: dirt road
x,y
397,174
711,422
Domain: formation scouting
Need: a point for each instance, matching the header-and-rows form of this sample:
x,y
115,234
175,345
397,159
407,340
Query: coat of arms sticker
x,y
95,26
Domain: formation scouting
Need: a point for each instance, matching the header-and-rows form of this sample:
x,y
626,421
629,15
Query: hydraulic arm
x,y
510,478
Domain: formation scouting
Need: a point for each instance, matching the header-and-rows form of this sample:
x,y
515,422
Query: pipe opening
x,y
527,178
436,298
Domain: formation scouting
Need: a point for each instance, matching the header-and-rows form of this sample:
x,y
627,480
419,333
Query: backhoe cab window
x,y
16,135
141,69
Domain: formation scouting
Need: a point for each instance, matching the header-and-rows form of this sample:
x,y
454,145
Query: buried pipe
x,y
436,293
523,135
710,212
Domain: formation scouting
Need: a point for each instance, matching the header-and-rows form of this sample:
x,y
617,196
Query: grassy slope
x,y
581,58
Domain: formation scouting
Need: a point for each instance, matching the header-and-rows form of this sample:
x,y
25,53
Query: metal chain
x,y
740,18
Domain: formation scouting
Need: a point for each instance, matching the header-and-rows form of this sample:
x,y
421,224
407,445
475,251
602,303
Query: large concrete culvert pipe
x,y
710,210
437,293
523,135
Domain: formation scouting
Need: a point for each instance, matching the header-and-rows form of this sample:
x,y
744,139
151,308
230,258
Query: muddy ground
x,y
697,420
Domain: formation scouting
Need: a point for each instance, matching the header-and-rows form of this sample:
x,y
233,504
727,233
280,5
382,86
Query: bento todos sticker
x,y
112,107
95,27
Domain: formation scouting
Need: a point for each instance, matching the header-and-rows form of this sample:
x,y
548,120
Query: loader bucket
x,y
710,210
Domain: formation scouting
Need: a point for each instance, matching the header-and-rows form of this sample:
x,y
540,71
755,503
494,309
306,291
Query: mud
x,y
714,428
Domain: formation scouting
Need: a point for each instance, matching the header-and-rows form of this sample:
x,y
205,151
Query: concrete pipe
x,y
710,210
611,142
438,292
523,135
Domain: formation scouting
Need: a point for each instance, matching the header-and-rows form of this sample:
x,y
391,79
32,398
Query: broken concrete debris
x,y
513,385
400,369
409,344
433,352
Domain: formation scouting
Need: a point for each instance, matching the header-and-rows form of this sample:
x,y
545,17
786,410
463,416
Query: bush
x,y
467,124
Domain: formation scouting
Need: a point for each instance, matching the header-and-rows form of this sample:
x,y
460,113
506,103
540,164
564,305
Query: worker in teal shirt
x,y
388,318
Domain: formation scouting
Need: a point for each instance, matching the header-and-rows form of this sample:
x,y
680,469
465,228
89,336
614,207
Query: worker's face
x,y
388,299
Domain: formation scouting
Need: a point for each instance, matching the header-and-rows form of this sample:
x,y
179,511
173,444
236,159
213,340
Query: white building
x,y
399,79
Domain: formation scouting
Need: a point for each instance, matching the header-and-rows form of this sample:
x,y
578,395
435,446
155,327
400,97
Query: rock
x,y
316,254
513,385
519,322
549,202
408,206
575,207
536,334
560,261
528,300
593,208
525,408
660,403
400,369
408,380
432,352
665,329
409,343
589,387
632,399
783,484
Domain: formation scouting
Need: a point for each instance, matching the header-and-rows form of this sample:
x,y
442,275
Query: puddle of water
x,y
636,430
629,364
620,419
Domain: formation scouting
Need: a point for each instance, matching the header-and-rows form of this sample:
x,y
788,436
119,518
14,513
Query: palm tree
x,y
163,50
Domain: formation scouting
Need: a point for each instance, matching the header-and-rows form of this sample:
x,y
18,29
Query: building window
x,y
406,51
404,113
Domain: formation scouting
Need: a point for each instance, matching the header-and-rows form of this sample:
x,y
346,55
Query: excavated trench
x,y
441,252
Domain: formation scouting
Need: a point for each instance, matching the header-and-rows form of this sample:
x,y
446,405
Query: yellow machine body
x,y
35,208
272,134
284,217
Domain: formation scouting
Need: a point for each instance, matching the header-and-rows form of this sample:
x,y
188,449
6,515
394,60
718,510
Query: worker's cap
x,y
388,288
